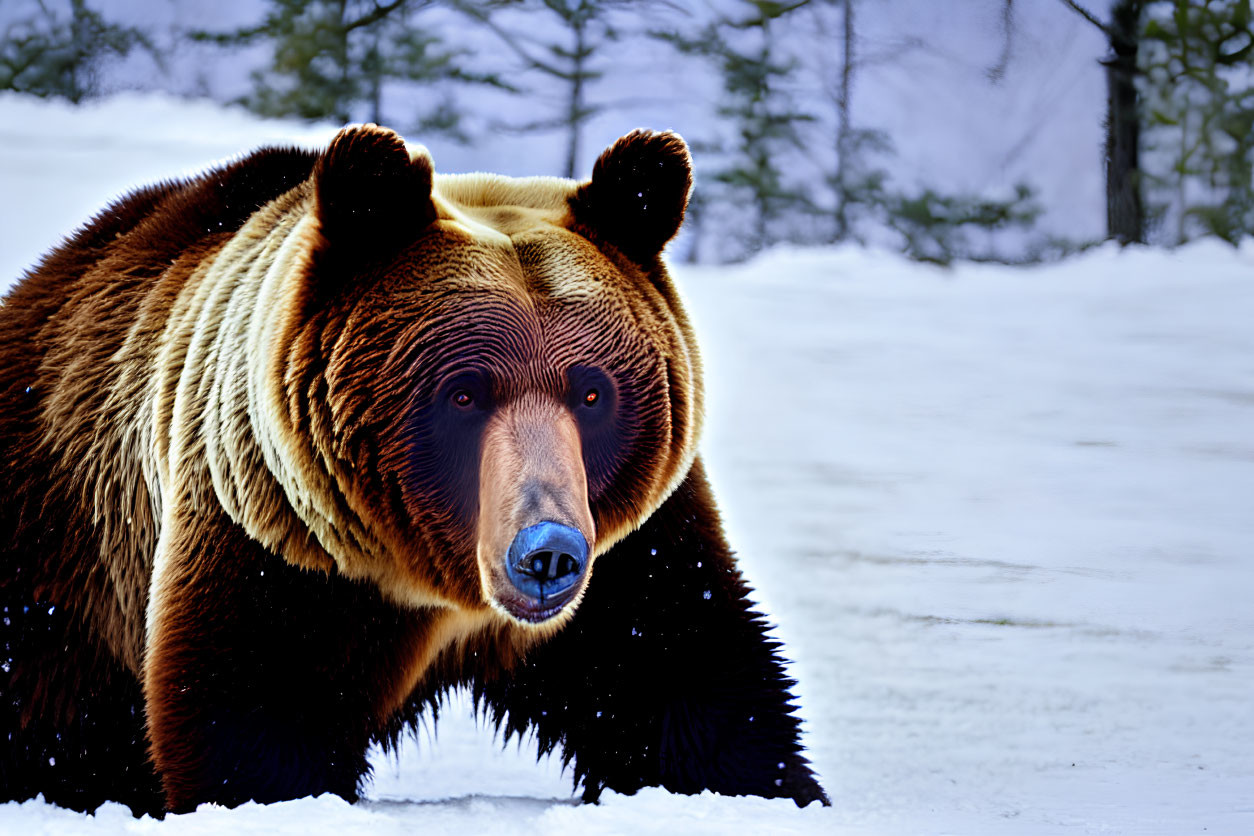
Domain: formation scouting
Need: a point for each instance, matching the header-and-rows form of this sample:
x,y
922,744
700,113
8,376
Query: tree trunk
x,y
843,128
575,114
374,70
79,79
1125,212
343,98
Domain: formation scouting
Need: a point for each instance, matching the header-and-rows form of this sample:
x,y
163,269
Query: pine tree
x,y
571,64
845,133
1199,99
931,225
49,55
938,227
334,58
763,116
856,182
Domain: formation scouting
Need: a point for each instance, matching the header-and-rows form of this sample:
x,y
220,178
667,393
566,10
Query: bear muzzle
x,y
536,533
545,564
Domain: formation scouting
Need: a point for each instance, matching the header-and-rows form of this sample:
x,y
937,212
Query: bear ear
x,y
372,197
638,193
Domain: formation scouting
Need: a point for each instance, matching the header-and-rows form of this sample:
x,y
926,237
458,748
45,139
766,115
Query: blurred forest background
x,y
809,119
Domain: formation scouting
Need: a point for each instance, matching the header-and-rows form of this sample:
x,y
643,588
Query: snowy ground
x,y
1002,517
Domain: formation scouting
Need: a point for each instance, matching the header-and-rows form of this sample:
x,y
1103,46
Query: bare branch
x,y
375,15
997,72
1089,16
511,42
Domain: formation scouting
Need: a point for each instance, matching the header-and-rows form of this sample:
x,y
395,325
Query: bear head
x,y
494,376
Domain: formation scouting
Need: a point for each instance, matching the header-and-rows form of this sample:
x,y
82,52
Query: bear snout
x,y
545,565
536,532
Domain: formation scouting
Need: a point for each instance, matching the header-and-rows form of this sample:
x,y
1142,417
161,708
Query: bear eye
x,y
591,396
468,393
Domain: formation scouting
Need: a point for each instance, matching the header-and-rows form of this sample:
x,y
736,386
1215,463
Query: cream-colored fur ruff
x,y
222,418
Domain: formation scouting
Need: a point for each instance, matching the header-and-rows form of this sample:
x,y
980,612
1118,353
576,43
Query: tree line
x,y
1180,105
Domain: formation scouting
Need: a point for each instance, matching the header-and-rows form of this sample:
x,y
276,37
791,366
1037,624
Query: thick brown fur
x,y
266,435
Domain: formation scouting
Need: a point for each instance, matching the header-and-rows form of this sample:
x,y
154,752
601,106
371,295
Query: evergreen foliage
x,y
763,114
50,55
938,227
1198,91
768,170
857,183
589,26
334,58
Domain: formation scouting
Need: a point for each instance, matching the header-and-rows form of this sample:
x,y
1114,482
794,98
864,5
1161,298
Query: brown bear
x,y
293,447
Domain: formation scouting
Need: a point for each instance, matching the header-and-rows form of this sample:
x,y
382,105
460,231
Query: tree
x,y
1199,115
333,59
763,116
1125,209
857,186
589,26
931,225
51,56
844,126
771,59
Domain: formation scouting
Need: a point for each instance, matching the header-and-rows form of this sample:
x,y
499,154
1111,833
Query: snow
x,y
1001,517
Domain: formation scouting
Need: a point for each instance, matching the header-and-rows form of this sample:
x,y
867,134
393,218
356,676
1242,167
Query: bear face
x,y
499,392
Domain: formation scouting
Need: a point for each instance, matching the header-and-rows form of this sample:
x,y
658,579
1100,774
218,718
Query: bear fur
x,y
267,436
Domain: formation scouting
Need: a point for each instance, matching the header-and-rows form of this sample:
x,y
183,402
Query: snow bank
x,y
1002,518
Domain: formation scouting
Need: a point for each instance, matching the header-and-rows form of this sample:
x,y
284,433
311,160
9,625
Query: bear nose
x,y
545,563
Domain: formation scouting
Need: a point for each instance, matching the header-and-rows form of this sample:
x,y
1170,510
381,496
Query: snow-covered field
x,y
1004,519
